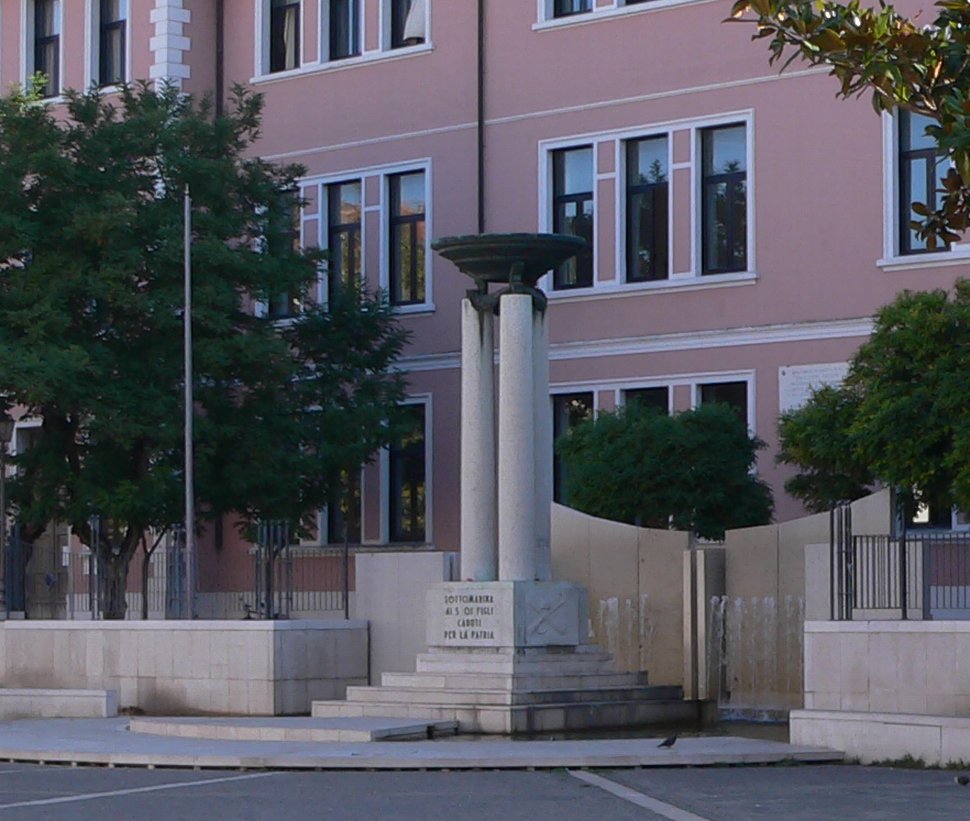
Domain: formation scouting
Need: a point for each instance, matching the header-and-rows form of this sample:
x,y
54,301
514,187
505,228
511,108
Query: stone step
x,y
489,681
317,730
550,717
482,696
504,664
473,698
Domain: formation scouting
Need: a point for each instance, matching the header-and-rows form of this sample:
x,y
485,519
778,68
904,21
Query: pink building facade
x,y
744,225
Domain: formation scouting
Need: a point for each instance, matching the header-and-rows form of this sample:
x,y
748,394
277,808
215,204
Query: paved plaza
x,y
793,793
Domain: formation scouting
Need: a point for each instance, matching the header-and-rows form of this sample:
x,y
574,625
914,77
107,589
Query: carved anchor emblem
x,y
545,612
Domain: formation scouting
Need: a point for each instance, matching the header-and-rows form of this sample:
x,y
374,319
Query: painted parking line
x,y
93,796
640,799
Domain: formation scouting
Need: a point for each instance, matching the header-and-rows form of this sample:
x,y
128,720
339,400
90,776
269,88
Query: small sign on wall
x,y
796,382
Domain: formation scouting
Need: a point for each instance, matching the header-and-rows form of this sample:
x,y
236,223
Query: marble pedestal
x,y
513,657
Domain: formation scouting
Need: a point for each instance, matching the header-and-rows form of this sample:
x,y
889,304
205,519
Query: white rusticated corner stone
x,y
507,614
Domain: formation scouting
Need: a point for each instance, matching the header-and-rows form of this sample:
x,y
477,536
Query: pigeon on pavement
x,y
668,742
962,780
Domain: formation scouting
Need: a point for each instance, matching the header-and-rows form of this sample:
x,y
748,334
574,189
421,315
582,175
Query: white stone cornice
x,y
857,328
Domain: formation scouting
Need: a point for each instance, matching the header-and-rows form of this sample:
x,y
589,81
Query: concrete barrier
x,y
41,703
197,667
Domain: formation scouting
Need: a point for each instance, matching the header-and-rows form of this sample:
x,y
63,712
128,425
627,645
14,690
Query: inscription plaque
x,y
796,382
469,618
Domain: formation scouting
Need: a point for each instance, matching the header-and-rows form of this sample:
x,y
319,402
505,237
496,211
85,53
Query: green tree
x,y
901,417
90,324
691,471
817,439
916,64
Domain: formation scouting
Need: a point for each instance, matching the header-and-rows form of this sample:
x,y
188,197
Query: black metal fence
x,y
57,579
916,574
293,578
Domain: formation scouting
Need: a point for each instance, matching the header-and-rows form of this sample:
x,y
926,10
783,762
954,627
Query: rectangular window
x,y
408,22
343,511
112,23
566,8
921,167
724,201
343,235
646,209
407,474
657,398
572,195
407,238
568,410
284,35
47,44
344,29
734,394
283,239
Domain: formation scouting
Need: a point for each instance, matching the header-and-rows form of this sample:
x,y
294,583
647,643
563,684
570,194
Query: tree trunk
x,y
114,585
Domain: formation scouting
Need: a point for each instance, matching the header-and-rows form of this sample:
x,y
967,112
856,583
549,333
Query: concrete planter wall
x,y
886,689
170,667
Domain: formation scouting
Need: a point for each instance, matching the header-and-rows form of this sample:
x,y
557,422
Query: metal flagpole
x,y
189,473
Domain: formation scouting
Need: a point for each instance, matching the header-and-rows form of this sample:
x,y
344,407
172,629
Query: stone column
x,y
516,446
479,546
543,446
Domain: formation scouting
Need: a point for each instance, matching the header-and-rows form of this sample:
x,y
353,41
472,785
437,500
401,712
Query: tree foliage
x,y
917,64
91,295
691,471
901,416
818,439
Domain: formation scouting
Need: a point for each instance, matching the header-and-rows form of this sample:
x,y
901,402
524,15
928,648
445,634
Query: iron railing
x,y
916,574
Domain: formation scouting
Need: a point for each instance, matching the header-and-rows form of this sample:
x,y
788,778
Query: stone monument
x,y
508,647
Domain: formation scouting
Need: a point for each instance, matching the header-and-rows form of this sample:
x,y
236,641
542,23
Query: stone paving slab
x,y
109,742
357,729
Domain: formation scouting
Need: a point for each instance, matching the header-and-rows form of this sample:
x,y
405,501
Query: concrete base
x,y
190,667
936,740
315,730
523,691
39,703
510,657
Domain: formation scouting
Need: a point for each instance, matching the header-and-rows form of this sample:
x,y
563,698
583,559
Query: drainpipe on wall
x,y
220,55
481,116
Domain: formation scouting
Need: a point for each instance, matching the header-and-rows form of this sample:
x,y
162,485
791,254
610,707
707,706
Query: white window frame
x,y
322,240
692,279
892,259
545,19
425,399
380,173
748,377
669,381
27,48
621,165
619,393
323,45
262,29
385,281
385,27
321,63
92,46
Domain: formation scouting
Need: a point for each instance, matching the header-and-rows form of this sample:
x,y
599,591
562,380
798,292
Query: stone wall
x,y
391,590
635,580
887,689
199,667
920,668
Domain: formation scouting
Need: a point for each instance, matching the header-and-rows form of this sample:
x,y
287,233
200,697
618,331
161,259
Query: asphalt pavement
x,y
792,793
